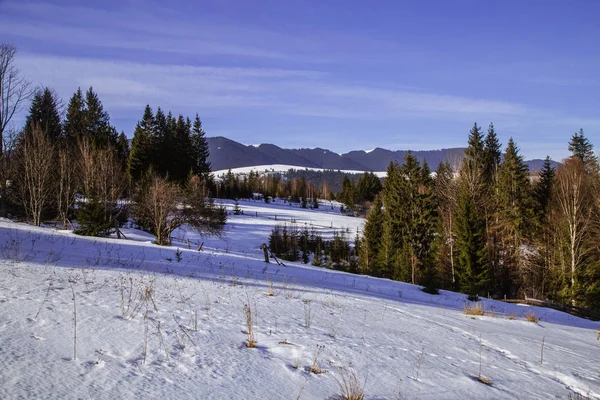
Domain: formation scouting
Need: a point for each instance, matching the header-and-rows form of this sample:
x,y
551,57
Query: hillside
x,y
170,322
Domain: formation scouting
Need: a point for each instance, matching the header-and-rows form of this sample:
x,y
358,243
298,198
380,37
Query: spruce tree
x,y
44,114
581,148
542,192
75,120
142,154
492,155
371,242
97,122
515,210
472,268
200,152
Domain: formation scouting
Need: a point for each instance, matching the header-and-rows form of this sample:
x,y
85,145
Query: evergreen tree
x,y
514,191
97,122
475,151
142,154
200,152
75,120
367,187
515,218
542,192
581,148
183,162
472,269
492,155
371,242
347,194
44,114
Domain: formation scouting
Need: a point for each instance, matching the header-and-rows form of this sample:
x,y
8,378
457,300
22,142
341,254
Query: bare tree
x,y
35,161
67,185
15,90
574,203
163,207
104,183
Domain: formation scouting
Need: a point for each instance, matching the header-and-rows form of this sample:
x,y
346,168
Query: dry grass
x,y
512,317
270,290
251,340
315,367
531,317
484,380
476,309
350,385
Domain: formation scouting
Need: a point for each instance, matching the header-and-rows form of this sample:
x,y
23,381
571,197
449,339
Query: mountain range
x,y
226,153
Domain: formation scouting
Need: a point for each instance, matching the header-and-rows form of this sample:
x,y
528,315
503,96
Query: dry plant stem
x,y
45,299
184,331
542,351
145,351
480,350
74,324
315,368
350,385
162,340
251,341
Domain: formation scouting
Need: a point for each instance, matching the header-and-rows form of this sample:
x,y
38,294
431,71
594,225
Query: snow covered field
x,y
152,322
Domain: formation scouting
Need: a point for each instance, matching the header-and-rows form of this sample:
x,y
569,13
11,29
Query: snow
x,y
134,298
285,168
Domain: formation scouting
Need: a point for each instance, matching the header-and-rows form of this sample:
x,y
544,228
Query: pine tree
x,y
581,148
97,122
515,216
542,192
492,156
475,150
142,154
44,114
200,149
75,120
371,242
472,269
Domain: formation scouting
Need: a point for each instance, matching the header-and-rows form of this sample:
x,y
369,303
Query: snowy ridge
x,y
285,168
149,325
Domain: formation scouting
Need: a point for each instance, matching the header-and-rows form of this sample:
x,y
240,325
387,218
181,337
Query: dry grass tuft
x,y
270,290
531,317
512,317
476,309
315,367
484,380
350,385
251,341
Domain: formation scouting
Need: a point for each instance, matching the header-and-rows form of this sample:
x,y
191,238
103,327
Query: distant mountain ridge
x,y
226,153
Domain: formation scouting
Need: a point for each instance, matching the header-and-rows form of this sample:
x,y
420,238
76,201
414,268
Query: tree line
x,y
80,168
487,227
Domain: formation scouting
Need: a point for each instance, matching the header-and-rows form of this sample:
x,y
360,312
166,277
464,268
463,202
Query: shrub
x,y
476,309
531,317
430,290
350,385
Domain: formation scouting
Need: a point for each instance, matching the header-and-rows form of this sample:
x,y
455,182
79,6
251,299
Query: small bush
x,y
430,290
476,309
531,317
350,385
473,297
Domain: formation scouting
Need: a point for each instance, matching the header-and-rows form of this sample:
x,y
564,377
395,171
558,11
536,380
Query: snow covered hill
x,y
158,322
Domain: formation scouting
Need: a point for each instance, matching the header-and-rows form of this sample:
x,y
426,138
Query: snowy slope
x,y
149,325
285,168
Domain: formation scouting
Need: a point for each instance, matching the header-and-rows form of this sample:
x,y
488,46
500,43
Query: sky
x,y
343,75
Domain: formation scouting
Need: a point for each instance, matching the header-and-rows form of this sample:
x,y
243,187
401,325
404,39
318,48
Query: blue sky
x,y
343,75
